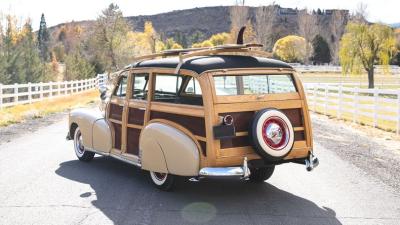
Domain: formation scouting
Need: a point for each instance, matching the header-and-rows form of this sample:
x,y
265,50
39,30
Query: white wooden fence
x,y
16,94
393,69
375,107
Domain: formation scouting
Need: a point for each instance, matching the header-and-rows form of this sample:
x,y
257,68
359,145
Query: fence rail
x,y
376,107
393,69
16,94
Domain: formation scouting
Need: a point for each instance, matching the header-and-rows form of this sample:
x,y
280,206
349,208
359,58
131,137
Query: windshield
x,y
254,84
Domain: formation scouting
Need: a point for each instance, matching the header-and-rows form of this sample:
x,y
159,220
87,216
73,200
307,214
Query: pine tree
x,y
11,53
3,76
322,53
43,39
77,66
32,67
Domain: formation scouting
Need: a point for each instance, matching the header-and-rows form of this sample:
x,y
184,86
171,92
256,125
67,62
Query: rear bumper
x,y
240,171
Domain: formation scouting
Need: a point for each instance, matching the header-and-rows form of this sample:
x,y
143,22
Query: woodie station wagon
x,y
198,113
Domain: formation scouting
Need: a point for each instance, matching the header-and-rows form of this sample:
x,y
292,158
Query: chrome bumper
x,y
311,163
242,172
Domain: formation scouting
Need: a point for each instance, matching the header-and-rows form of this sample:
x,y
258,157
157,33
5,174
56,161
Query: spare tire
x,y
271,134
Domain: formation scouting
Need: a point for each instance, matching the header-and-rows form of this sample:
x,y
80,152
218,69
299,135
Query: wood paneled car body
x,y
201,113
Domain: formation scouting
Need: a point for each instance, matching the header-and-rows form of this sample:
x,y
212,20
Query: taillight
x,y
275,133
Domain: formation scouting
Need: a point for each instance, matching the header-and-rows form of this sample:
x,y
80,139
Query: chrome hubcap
x,y
274,133
79,148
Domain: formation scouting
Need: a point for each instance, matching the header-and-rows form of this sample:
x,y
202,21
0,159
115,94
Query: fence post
x,y
355,104
339,112
15,94
1,95
40,90
398,112
58,88
51,89
29,92
326,100
376,107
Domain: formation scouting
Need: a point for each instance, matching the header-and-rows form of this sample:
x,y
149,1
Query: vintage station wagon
x,y
198,113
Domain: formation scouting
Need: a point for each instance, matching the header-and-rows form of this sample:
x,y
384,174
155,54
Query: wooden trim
x,y
241,134
210,118
115,121
134,126
306,114
187,110
254,70
164,71
254,106
298,129
199,138
257,98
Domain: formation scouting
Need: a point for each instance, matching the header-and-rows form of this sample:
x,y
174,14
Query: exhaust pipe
x,y
311,163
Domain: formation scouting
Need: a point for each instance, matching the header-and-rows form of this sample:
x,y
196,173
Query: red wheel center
x,y
275,133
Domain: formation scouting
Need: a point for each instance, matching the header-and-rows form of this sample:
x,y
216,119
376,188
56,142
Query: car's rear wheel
x,y
80,151
259,175
162,181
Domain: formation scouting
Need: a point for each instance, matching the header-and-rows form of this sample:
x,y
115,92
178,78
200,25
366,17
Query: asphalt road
x,y
42,182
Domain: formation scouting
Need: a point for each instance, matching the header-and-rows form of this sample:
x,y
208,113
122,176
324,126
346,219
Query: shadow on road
x,y
125,195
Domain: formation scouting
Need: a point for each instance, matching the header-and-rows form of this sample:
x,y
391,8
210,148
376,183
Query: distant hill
x,y
197,24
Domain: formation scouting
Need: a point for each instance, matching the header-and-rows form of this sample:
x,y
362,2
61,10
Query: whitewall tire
x,y
162,181
80,151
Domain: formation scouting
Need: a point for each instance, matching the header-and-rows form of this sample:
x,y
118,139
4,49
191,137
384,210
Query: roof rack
x,y
191,52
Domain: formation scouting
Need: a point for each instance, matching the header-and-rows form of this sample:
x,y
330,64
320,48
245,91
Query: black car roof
x,y
203,63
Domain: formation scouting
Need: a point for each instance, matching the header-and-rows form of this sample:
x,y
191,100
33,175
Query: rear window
x,y
254,84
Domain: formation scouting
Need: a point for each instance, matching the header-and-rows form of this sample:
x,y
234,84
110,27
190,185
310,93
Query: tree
x,y
322,53
338,19
265,19
290,48
171,44
4,78
214,40
109,36
151,35
77,66
307,28
239,17
32,67
364,45
43,39
11,51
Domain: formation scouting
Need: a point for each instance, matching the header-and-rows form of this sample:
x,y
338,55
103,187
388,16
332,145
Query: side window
x,y
167,88
140,86
170,88
120,91
193,87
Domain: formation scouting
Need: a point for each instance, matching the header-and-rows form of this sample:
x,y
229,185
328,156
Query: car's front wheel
x,y
259,175
80,151
162,181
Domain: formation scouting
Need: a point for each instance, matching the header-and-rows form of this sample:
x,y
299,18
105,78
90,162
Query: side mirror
x,y
103,93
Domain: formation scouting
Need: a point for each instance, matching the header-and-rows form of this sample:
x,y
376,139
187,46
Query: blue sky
x,y
57,11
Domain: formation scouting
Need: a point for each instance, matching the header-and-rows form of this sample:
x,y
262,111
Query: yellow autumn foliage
x,y
290,48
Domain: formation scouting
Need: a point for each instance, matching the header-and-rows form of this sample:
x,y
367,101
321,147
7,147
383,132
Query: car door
x,y
116,112
137,110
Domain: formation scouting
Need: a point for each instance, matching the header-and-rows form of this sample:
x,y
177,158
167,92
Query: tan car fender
x,y
167,149
84,118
